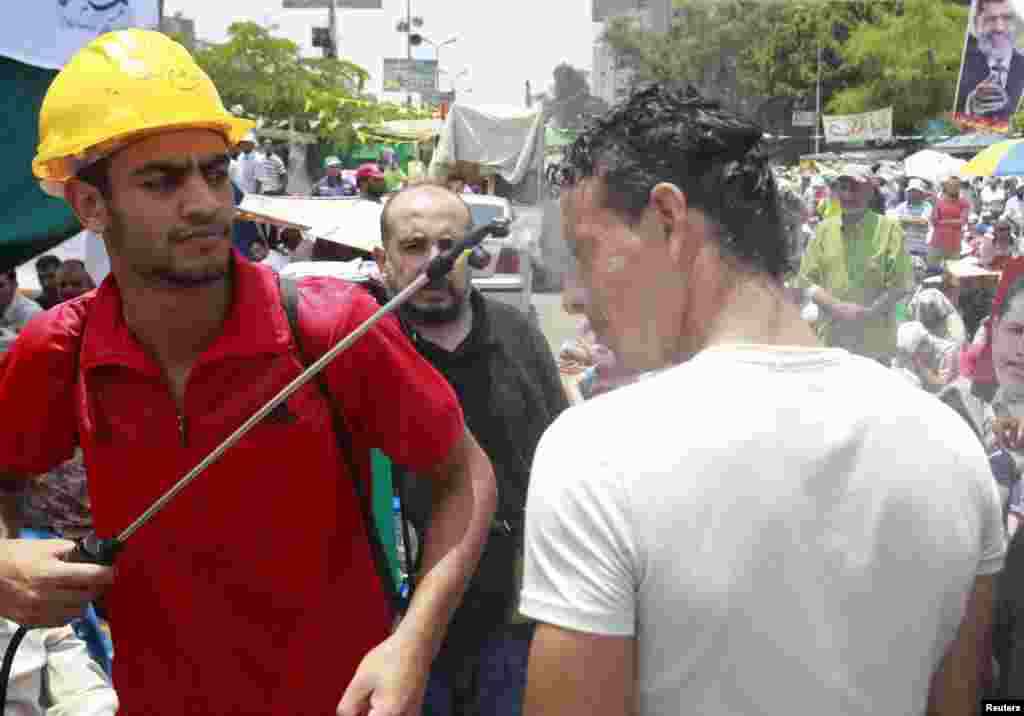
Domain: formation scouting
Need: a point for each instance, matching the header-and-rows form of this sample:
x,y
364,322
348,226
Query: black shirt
x,y
510,390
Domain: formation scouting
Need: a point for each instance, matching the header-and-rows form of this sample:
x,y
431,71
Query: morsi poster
x,y
991,77
47,33
858,128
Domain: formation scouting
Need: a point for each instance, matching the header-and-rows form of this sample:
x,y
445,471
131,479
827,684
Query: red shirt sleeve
x,y
392,398
37,380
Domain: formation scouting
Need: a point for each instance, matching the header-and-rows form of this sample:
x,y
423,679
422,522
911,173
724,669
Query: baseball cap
x,y
369,171
332,162
859,172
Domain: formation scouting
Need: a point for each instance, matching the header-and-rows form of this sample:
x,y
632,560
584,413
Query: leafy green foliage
x,y
875,53
912,61
271,81
572,103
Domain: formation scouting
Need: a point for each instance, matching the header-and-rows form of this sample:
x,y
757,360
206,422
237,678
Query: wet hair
x,y
1011,293
46,261
385,221
666,134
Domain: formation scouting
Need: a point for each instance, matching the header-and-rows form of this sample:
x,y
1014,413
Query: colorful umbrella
x,y
1005,159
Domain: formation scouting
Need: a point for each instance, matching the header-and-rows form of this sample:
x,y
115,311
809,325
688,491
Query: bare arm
x,y
455,537
956,686
576,674
392,678
37,588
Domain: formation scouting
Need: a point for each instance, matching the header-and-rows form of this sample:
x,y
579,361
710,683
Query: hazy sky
x,y
503,43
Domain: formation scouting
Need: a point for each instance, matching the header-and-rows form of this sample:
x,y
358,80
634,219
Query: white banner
x,y
855,128
46,33
804,119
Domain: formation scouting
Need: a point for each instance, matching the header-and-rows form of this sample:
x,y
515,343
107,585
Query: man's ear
x,y
670,208
89,205
381,258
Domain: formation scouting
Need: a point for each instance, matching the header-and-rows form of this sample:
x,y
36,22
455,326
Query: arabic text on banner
x,y
856,128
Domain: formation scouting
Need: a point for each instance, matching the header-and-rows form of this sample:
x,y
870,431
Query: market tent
x,y
500,140
33,221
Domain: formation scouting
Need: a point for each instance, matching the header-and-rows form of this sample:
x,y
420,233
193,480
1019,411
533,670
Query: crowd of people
x,y
613,557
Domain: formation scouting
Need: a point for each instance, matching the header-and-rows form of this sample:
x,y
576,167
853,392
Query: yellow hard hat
x,y
121,87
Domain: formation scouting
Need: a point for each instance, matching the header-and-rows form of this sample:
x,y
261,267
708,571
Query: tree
x,y
571,102
912,60
270,80
875,52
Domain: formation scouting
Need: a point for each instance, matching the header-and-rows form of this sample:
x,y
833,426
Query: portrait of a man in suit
x,y
992,77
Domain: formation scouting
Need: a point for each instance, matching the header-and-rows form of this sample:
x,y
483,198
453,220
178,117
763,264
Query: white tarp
x,y
507,140
352,222
46,33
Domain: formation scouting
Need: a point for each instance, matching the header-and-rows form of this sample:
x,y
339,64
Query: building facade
x,y
611,78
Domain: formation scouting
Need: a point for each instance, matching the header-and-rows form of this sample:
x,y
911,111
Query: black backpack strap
x,y
290,302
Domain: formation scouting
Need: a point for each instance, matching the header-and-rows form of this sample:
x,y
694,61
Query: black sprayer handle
x,y
95,550
443,263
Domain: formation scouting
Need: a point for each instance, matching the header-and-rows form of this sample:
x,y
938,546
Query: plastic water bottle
x,y
404,558
396,515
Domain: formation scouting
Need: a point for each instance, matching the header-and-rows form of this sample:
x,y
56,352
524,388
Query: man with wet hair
x,y
664,579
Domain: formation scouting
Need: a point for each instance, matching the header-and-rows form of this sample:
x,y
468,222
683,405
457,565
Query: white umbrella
x,y
931,165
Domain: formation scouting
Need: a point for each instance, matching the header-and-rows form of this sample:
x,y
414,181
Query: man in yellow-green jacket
x,y
857,269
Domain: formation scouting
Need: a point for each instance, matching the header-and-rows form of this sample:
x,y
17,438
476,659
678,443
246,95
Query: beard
x,y
993,44
163,270
436,316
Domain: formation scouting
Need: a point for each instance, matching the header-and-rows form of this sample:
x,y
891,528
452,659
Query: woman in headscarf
x,y
920,357
938,314
999,423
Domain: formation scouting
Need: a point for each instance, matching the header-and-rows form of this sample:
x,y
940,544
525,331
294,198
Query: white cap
x,y
860,172
917,184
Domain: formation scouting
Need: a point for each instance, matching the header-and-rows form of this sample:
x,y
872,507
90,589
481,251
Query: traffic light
x,y
322,38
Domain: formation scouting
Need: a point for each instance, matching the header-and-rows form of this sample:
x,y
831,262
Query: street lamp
x,y
455,78
417,39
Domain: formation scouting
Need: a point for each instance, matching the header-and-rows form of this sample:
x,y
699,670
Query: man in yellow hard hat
x,y
255,591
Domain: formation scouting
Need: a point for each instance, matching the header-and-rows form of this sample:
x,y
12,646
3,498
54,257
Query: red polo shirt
x,y
254,591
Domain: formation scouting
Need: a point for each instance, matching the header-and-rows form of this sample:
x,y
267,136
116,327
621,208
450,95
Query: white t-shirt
x,y
54,666
782,531
19,312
